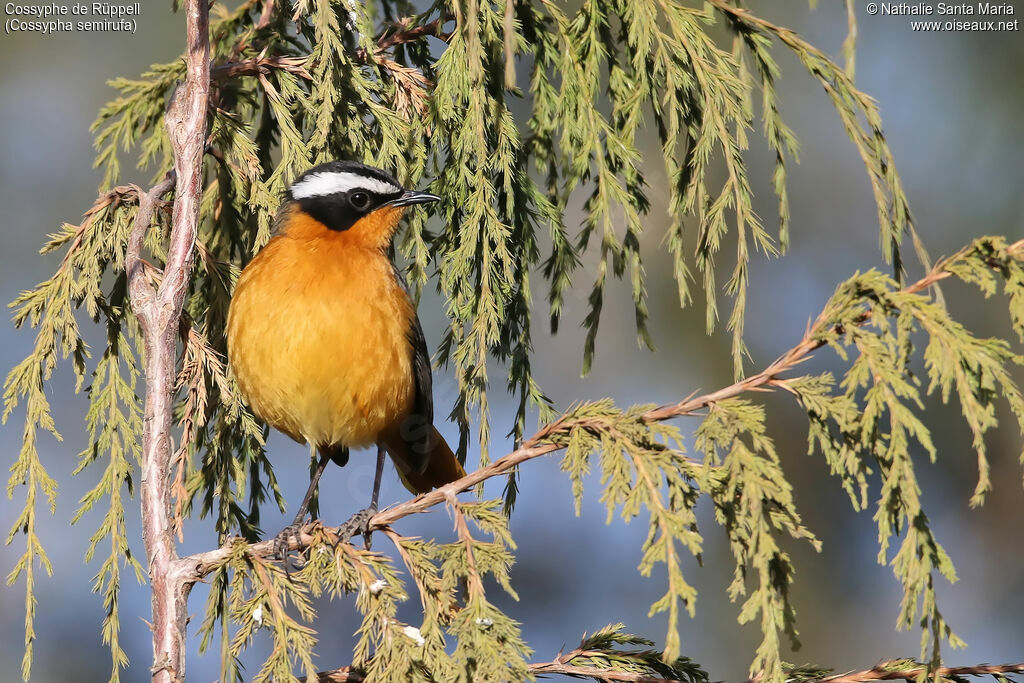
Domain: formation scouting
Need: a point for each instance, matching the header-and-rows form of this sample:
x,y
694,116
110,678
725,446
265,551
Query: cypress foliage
x,y
508,110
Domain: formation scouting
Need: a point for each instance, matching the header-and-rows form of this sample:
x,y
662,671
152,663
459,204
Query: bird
x,y
323,338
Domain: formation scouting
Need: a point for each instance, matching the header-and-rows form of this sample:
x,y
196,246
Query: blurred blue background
x,y
953,105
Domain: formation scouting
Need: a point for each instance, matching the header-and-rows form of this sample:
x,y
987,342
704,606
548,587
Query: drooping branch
x,y
159,311
560,666
545,441
258,66
552,668
405,33
410,97
887,672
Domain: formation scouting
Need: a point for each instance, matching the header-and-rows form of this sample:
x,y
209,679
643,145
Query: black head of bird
x,y
348,197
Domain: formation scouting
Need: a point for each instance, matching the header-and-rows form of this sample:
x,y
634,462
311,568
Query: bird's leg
x,y
372,510
292,530
377,476
313,481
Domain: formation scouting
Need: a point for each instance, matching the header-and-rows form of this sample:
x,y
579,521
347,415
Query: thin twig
x,y
474,584
409,35
260,65
266,15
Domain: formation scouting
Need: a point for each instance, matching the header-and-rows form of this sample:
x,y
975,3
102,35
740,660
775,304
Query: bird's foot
x,y
359,523
283,541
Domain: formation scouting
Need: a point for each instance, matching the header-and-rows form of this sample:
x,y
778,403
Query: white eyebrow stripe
x,y
327,183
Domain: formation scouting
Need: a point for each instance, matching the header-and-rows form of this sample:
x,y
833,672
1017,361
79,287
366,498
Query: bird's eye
x,y
359,200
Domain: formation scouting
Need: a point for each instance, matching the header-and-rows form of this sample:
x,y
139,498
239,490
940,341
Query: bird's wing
x,y
422,457
417,430
423,403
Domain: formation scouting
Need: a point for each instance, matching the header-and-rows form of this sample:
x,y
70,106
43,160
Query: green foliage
x,y
753,502
434,96
114,424
871,424
903,669
867,424
114,421
740,473
254,594
639,472
601,654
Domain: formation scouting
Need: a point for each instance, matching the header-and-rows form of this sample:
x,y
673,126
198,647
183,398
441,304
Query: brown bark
x,y
159,313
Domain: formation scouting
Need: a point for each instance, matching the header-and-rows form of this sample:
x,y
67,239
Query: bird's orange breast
x,y
318,340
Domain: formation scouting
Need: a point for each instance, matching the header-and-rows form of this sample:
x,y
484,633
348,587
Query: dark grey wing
x,y
418,428
423,404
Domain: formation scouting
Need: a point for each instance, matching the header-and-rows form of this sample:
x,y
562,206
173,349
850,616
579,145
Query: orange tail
x,y
441,468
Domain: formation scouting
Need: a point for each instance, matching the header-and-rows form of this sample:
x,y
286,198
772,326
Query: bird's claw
x,y
282,543
359,523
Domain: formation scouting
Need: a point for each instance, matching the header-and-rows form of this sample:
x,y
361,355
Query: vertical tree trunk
x,y
168,595
159,313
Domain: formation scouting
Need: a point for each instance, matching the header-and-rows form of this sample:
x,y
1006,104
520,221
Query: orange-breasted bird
x,y
323,338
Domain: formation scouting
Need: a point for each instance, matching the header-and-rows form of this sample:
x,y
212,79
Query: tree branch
x,y
140,289
881,673
263,65
405,34
556,667
159,313
560,666
260,65
542,443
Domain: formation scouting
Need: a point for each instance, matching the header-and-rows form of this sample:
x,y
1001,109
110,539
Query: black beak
x,y
409,197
